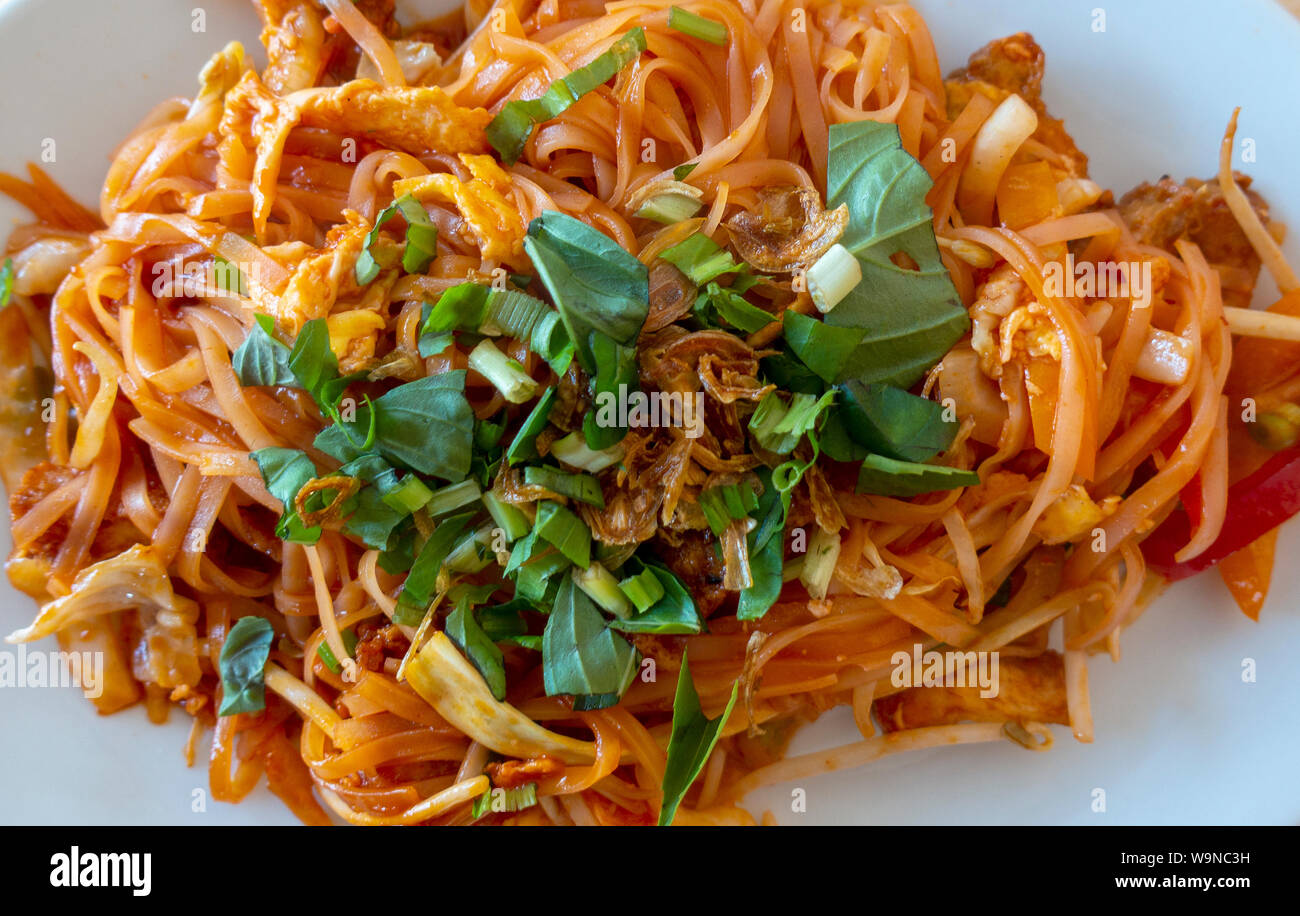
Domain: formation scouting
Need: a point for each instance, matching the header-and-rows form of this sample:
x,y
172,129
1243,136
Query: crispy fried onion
x,y
340,485
678,361
670,297
790,230
749,674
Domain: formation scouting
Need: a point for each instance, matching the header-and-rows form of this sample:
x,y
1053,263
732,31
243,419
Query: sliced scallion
x,y
561,528
510,129
669,208
833,277
407,495
509,518
644,590
819,563
509,377
696,26
582,487
573,451
601,586
452,497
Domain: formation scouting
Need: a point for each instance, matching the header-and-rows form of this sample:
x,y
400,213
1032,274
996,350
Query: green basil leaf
x,y
616,378
373,521
836,441
588,702
766,551
895,423
888,477
427,426
790,374
581,655
284,471
692,741
896,323
418,590
261,359
421,235
368,263
597,286
242,663
728,306
312,361
463,629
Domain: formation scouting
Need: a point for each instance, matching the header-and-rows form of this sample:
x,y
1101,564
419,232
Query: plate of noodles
x,y
722,412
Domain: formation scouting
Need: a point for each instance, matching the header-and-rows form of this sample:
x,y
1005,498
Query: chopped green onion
x,y
453,497
700,258
408,495
469,555
833,277
643,590
513,125
726,503
684,170
792,570
562,528
819,563
509,377
421,235
572,450
601,586
582,487
497,313
326,654
509,518
688,23
669,207
533,567
524,446
778,426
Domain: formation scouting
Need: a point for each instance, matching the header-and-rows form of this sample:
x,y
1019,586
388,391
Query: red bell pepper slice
x,y
1257,504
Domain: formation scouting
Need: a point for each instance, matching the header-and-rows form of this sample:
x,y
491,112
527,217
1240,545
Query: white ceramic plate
x,y
1180,737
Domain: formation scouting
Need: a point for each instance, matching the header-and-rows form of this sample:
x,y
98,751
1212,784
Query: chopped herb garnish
x,y
513,125
242,663
697,26
581,655
692,741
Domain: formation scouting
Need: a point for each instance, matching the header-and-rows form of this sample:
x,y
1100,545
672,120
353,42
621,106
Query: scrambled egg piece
x,y
416,120
293,34
1073,516
1027,332
491,216
318,277
1008,322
